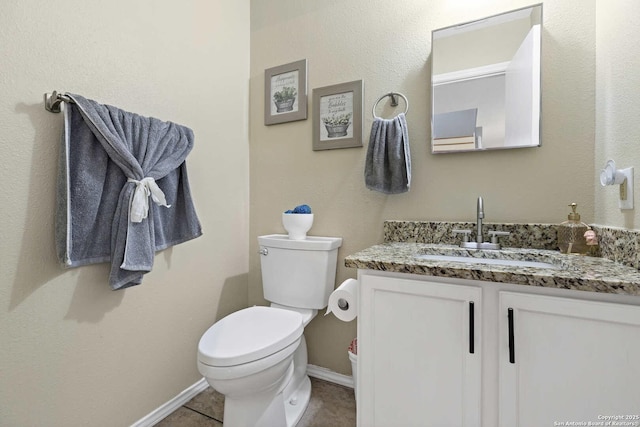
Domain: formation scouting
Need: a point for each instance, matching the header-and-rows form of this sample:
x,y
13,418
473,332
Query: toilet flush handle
x,y
263,251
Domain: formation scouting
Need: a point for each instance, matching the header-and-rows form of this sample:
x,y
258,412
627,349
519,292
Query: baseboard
x,y
167,408
329,375
186,395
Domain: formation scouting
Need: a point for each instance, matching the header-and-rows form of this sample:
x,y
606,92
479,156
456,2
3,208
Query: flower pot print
x,y
337,125
284,106
334,131
285,98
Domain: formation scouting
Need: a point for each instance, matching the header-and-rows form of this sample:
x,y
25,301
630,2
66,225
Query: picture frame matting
x,y
337,116
285,93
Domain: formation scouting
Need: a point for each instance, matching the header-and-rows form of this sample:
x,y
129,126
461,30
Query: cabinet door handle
x,y
471,328
512,349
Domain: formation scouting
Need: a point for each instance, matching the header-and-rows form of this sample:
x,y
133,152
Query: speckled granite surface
x,y
615,272
619,245
535,236
570,271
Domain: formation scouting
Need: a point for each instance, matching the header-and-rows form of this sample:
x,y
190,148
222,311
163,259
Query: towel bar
x,y
394,102
52,101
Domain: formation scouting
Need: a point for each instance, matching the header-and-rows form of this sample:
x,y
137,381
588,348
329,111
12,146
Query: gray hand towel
x,y
388,163
123,191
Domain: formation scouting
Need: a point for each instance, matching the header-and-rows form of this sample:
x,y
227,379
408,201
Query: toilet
x,y
257,357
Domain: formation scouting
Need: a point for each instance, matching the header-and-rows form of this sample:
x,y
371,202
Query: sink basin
x,y
492,261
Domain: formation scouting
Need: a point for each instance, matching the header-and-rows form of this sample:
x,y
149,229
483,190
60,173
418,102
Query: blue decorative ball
x,y
302,209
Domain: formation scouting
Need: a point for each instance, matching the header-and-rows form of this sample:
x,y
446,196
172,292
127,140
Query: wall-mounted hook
x,y
610,175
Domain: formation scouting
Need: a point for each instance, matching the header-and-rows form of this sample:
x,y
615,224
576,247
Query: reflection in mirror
x,y
486,83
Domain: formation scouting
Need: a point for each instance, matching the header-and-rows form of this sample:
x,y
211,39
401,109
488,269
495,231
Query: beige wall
x,y
73,352
387,45
617,106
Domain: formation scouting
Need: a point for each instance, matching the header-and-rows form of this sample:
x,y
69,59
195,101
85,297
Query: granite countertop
x,y
574,272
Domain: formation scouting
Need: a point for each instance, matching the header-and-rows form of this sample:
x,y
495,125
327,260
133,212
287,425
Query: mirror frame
x,y
463,143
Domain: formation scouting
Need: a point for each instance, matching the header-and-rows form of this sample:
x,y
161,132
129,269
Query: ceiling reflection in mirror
x,y
486,83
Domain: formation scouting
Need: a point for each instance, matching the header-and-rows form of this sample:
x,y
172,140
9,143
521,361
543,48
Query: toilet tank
x,y
298,273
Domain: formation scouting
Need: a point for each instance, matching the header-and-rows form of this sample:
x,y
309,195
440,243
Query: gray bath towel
x,y
112,163
388,163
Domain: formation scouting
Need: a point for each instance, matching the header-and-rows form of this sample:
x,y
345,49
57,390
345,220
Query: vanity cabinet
x,y
419,360
568,360
518,356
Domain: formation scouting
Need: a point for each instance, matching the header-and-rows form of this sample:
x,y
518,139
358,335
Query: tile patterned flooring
x,y
331,405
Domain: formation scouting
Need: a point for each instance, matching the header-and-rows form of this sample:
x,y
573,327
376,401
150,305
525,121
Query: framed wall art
x,y
337,116
285,93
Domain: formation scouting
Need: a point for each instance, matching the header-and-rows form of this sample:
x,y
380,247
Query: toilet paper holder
x,y
343,301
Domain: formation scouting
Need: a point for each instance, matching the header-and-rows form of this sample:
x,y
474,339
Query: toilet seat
x,y
229,373
249,335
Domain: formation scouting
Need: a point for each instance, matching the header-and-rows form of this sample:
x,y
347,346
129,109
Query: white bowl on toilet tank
x,y
298,273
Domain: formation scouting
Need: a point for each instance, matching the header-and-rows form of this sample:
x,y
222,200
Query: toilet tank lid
x,y
311,243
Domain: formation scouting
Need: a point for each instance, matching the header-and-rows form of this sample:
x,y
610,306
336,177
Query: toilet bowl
x,y
256,376
249,357
257,357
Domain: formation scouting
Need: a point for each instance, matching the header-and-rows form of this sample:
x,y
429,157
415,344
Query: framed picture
x,y
285,93
337,116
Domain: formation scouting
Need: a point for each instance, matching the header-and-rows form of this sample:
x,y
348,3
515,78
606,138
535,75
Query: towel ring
x,y
394,102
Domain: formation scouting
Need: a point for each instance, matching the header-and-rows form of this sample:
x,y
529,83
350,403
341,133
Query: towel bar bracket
x,y
53,100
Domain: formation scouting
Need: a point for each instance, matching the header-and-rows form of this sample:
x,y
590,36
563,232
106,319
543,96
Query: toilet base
x,y
297,402
282,410
281,405
297,392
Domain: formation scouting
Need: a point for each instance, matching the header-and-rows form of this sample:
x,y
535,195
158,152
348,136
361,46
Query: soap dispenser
x,y
571,238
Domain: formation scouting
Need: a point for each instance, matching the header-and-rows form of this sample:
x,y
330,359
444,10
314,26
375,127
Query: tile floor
x,y
331,405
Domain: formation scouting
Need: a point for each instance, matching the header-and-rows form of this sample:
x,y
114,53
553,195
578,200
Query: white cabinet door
x,y
571,361
419,353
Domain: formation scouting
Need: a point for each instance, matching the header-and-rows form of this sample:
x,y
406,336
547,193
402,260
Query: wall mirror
x,y
486,83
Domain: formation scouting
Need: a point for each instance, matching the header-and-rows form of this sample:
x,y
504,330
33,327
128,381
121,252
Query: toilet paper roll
x,y
343,302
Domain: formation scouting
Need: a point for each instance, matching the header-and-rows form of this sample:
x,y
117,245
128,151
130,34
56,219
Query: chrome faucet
x,y
479,243
480,214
